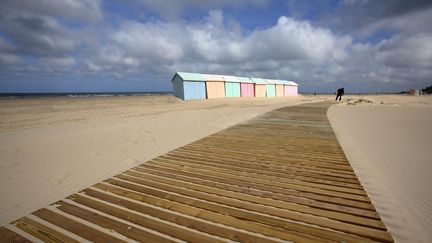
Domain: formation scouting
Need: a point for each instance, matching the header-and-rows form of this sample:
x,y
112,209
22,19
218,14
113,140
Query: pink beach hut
x,y
291,88
247,87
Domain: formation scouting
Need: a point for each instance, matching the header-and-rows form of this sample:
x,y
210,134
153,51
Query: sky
x,y
138,45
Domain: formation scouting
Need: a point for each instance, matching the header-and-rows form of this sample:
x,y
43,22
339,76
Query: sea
x,y
78,94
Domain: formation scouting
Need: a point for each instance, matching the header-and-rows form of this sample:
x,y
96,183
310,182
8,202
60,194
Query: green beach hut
x,y
270,88
232,86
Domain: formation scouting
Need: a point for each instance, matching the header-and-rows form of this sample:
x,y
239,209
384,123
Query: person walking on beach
x,y
340,92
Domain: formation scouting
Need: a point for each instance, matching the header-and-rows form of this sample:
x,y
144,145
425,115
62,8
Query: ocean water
x,y
78,94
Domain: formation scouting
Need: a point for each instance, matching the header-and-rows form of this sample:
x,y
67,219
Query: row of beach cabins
x,y
193,86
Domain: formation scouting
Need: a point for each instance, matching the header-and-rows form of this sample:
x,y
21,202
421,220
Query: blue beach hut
x,y
189,86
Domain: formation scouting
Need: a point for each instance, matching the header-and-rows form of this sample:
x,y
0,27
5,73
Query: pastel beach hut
x,y
247,87
232,86
215,86
270,88
279,86
260,87
291,88
189,86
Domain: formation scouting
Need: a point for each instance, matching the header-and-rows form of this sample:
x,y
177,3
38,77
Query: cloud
x,y
37,35
290,49
39,28
212,46
56,64
406,51
38,42
36,38
80,10
298,40
157,41
9,60
363,18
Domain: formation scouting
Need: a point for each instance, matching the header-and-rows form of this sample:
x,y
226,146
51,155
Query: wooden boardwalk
x,y
279,177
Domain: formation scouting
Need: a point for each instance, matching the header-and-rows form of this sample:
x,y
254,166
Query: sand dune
x,y
388,141
51,148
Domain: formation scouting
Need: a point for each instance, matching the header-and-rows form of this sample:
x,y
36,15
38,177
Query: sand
x,y
388,141
53,147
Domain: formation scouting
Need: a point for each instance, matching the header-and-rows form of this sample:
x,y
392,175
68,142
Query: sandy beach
x,y
388,142
53,147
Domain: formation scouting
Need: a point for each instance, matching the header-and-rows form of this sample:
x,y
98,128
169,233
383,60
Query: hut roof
x,y
273,81
291,83
258,80
213,77
190,76
245,80
228,78
284,82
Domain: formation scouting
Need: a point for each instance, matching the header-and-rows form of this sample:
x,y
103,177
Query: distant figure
x,y
340,92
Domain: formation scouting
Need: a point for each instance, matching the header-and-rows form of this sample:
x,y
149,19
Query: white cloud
x,y
289,49
162,48
406,51
157,41
34,34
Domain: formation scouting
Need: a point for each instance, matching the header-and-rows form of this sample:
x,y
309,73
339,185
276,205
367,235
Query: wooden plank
x,y
266,177
174,218
264,166
280,176
254,170
257,200
245,216
289,167
178,166
254,184
286,155
111,224
8,236
287,159
75,227
41,231
258,158
323,222
261,193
